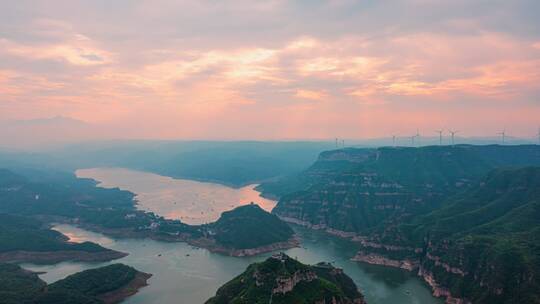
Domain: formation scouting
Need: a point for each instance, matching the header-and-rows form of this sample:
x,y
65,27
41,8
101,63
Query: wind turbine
x,y
336,143
394,139
417,136
453,133
343,142
440,136
538,135
503,135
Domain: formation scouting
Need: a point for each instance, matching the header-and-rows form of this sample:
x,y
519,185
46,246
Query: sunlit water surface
x,y
186,275
192,202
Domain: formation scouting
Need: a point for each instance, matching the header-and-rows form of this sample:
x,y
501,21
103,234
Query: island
x,y
245,231
281,279
105,285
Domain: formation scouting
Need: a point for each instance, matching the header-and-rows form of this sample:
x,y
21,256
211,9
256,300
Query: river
x,y
185,274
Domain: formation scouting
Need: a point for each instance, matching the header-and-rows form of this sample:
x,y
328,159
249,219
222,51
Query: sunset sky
x,y
201,69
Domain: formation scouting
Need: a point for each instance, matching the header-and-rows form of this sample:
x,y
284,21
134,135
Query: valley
x,y
183,271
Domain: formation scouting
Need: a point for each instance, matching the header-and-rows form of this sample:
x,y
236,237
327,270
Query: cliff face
x,y
358,190
281,279
437,211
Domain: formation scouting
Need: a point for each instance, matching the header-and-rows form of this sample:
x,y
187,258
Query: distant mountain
x,y
109,284
281,279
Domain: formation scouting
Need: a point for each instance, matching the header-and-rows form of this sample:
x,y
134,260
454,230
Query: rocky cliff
x,y
281,279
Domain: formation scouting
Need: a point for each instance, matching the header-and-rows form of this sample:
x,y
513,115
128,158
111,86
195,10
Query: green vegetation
x,y
230,163
25,234
372,190
52,195
281,279
491,233
98,281
19,286
249,226
470,223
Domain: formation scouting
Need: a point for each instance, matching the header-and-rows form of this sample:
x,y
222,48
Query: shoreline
x,y
53,257
119,295
438,291
203,243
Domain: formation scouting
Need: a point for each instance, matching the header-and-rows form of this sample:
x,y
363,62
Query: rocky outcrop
x,y
376,259
287,283
212,246
283,280
447,267
438,290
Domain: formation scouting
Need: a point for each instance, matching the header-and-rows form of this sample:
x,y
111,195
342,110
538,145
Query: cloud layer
x,y
273,69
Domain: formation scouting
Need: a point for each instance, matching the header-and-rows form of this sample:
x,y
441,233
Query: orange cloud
x,y
310,94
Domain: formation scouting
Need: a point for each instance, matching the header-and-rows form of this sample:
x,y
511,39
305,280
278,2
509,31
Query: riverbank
x,y
364,256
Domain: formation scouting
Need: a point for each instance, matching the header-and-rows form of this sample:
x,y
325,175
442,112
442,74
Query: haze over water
x,y
192,202
185,274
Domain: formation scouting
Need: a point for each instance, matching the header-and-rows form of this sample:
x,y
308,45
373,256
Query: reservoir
x,y
187,275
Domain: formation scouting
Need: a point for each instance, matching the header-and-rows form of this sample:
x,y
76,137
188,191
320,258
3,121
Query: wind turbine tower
x,y
336,143
394,139
417,137
538,135
452,134
440,136
503,136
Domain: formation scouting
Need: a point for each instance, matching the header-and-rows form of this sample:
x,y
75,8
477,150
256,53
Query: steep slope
x,y
281,279
484,245
371,190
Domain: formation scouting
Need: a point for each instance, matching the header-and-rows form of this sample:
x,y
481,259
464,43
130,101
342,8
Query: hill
x,y
109,284
235,163
247,230
281,279
25,240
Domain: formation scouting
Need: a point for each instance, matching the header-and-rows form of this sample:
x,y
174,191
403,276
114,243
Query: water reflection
x,y
191,202
185,274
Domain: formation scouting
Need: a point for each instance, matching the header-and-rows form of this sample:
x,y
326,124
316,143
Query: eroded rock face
x,y
281,279
287,284
376,259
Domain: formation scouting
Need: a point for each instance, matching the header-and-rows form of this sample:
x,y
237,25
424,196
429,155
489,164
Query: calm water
x,y
190,201
187,275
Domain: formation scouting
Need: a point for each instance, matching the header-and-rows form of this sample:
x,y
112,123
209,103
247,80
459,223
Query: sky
x,y
273,69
